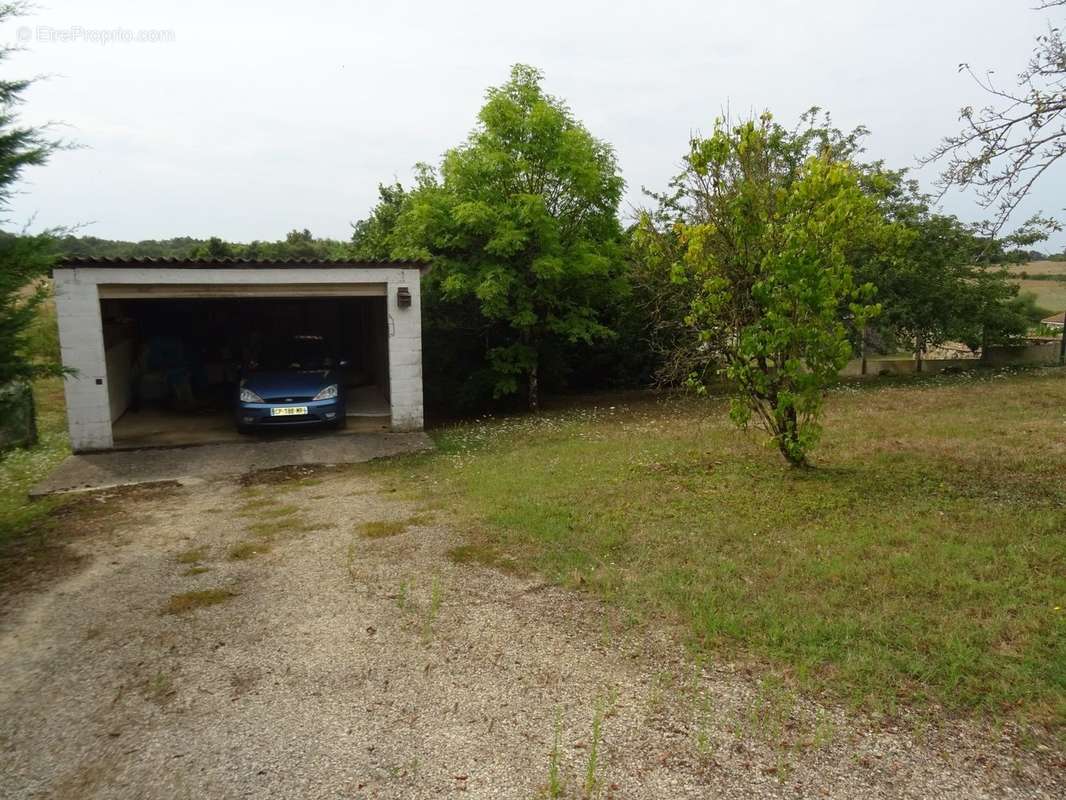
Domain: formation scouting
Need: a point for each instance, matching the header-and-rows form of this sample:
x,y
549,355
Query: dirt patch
x,y
245,550
60,543
397,667
301,475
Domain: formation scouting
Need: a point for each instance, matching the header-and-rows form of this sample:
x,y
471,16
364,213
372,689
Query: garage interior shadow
x,y
174,365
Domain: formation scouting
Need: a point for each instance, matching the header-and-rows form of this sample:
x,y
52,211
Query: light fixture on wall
x,y
403,297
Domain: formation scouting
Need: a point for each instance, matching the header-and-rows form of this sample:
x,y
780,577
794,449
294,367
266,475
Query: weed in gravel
x,y
195,570
380,529
350,560
664,684
432,610
487,554
159,688
267,508
191,556
245,550
770,710
190,601
611,708
555,777
705,742
285,526
824,731
591,781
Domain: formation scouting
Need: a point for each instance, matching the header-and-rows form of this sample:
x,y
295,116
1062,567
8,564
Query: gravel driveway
x,y
305,634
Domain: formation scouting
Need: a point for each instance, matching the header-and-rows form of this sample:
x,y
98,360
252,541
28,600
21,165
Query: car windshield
x,y
300,353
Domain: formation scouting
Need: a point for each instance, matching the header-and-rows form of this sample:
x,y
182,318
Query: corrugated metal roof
x,y
75,262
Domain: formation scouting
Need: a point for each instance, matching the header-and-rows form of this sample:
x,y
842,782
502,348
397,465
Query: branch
x,y
1003,150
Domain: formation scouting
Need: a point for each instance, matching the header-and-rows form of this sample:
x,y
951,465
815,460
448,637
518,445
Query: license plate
x,y
289,411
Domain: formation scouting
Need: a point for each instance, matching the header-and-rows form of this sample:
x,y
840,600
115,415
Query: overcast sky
x,y
253,118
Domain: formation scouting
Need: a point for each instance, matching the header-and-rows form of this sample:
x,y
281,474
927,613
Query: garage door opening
x,y
174,364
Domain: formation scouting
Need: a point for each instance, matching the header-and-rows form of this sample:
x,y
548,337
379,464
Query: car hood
x,y
274,385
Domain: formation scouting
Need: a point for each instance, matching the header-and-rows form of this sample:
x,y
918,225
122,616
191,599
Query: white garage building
x,y
156,344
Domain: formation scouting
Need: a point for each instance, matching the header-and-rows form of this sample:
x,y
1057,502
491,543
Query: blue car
x,y
293,382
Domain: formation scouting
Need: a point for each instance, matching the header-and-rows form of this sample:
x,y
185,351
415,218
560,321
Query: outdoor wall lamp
x,y
403,297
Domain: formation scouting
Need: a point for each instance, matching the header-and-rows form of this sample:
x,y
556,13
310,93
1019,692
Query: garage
x,y
167,352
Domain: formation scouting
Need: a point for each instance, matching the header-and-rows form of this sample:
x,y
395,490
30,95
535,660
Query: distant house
x,y
1055,320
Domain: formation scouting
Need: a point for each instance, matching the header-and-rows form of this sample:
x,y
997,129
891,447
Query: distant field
x,y
1040,268
1050,293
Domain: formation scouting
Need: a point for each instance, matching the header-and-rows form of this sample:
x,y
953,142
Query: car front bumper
x,y
259,415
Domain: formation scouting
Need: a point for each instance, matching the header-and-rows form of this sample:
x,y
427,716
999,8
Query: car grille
x,y
289,398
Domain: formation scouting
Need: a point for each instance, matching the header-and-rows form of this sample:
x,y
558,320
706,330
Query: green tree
x,y
935,280
522,221
759,239
214,248
24,260
372,238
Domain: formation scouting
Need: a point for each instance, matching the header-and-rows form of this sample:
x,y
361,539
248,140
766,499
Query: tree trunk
x,y
1062,344
862,349
788,441
919,347
534,390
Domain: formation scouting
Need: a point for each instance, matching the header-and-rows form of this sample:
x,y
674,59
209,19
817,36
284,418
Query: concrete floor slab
x,y
185,464
161,428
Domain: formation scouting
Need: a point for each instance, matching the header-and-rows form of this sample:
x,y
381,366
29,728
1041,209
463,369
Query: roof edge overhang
x,y
78,262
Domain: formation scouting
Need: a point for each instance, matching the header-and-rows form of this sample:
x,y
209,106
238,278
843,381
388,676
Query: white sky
x,y
265,116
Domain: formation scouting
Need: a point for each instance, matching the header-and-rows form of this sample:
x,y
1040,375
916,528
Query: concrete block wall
x,y
81,341
405,353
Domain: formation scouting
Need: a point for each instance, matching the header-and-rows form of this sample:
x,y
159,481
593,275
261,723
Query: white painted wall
x,y
82,339
81,343
405,357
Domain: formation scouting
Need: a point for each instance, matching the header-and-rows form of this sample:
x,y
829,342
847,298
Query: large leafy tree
x,y
24,260
521,222
933,274
762,227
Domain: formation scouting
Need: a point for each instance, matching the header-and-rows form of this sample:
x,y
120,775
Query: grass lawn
x,y
922,561
21,468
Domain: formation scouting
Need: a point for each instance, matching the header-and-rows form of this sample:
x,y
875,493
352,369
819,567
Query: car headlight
x,y
328,393
248,396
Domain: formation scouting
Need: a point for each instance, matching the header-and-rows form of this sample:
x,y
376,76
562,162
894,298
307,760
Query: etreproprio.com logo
x,y
77,34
